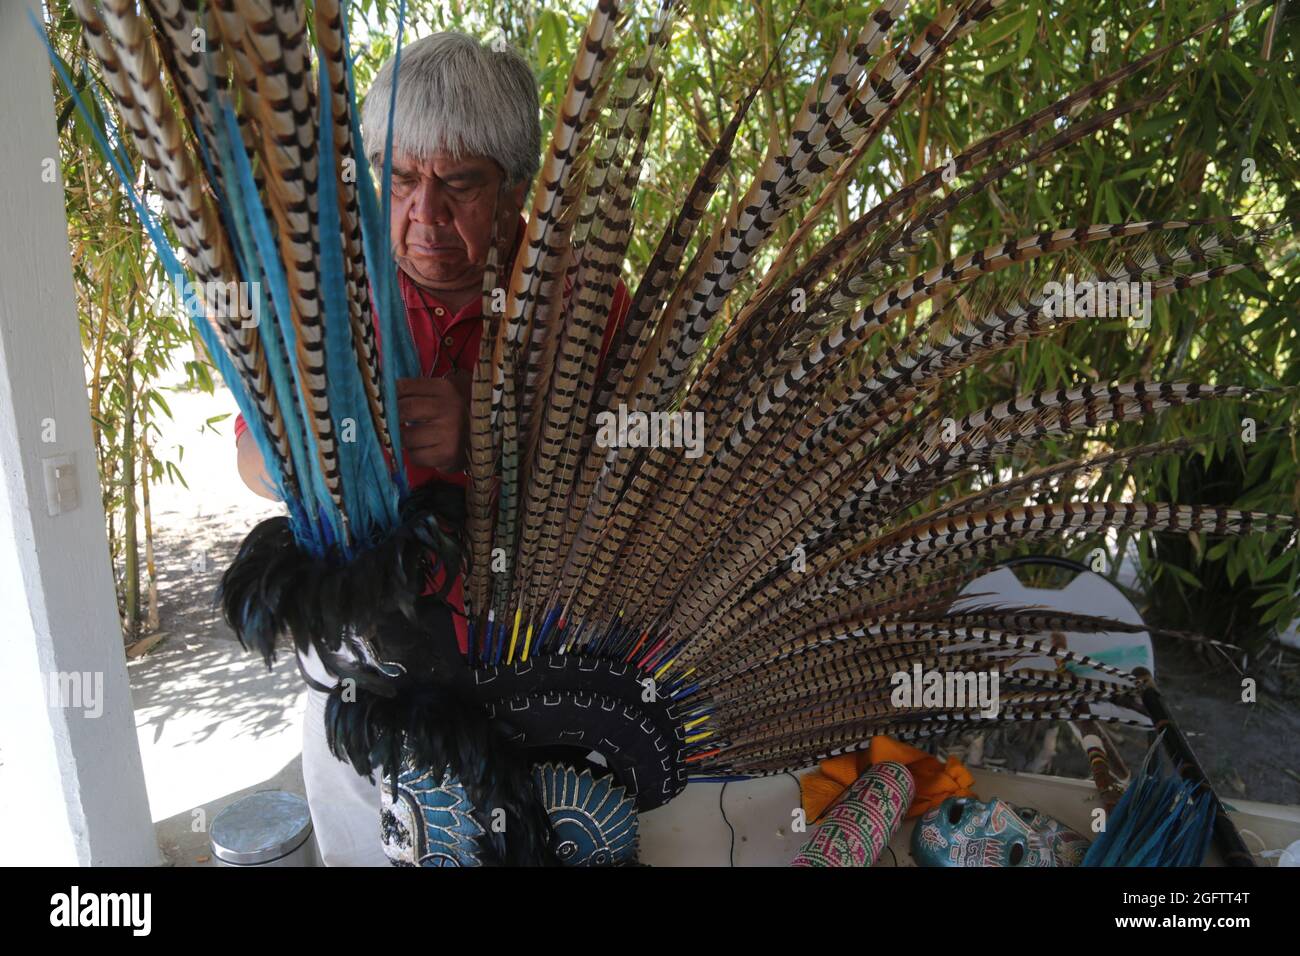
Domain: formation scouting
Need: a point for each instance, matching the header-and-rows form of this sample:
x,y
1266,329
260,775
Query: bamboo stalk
x,y
151,614
130,544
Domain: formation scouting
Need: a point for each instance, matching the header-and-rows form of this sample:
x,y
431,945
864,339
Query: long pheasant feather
x,y
841,492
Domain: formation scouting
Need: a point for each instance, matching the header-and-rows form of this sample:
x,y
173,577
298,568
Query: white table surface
x,y
691,831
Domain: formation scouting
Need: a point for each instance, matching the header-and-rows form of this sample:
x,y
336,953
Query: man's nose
x,y
430,205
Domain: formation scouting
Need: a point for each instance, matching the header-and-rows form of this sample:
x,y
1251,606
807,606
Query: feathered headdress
x,y
713,552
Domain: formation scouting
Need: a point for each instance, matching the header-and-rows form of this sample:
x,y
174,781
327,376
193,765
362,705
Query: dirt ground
x,y
1250,751
212,722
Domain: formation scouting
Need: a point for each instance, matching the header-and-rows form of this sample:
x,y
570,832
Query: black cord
x,y
799,789
731,854
796,782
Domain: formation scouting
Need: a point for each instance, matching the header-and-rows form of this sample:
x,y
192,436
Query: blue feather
x,y
1160,821
372,486
370,496
239,228
399,358
318,500
176,273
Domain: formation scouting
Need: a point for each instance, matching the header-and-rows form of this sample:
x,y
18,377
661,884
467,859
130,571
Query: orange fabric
x,y
935,781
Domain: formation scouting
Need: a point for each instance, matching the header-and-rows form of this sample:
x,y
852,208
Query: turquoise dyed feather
x,y
337,515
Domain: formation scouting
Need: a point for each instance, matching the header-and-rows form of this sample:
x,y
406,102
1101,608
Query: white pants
x,y
344,805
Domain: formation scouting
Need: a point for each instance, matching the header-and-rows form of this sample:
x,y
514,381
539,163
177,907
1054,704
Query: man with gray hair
x,y
466,146
466,142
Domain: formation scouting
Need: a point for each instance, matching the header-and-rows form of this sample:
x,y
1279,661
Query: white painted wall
x,y
71,783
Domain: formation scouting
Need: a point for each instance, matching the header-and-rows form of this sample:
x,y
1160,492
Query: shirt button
x,y
439,311
448,341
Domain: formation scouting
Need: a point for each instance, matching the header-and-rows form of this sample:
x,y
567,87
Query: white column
x,y
72,785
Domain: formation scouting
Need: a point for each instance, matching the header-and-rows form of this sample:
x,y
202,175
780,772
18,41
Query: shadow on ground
x,y
199,671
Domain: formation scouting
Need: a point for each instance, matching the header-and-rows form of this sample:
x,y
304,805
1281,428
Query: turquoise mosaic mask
x,y
963,831
429,821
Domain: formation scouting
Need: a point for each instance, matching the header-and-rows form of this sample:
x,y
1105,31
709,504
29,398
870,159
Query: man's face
x,y
442,218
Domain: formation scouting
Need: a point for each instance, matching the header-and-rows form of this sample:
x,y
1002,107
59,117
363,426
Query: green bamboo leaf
x,y
1271,597
1003,27
156,398
1275,566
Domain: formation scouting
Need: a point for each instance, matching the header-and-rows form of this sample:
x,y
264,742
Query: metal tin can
x,y
267,828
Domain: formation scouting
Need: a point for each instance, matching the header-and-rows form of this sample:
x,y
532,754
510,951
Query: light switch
x,y
60,484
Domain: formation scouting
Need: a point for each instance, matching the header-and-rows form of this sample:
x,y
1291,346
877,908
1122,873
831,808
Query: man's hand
x,y
434,415
252,469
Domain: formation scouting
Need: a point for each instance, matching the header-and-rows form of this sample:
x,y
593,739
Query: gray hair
x,y
460,97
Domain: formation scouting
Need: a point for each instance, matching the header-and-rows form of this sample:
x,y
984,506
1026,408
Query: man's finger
x,y
422,409
423,436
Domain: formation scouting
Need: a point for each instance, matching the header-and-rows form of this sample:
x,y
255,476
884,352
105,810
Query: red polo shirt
x,y
447,340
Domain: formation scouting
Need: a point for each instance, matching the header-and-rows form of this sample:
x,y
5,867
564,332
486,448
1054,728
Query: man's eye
x,y
462,187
